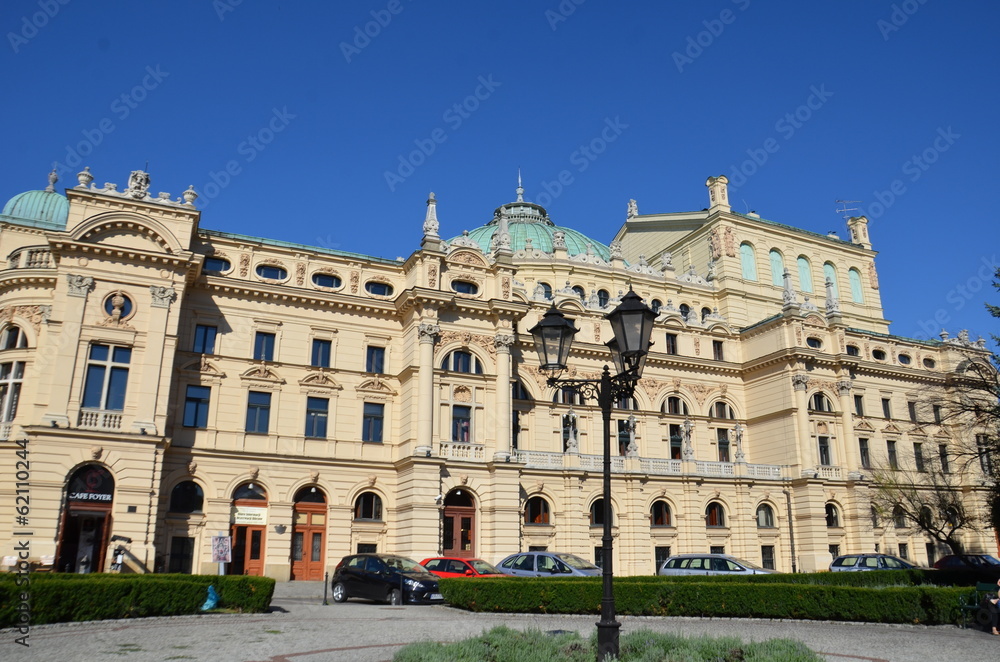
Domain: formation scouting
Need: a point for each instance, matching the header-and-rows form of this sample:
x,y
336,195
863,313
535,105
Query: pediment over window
x,y
468,257
128,230
204,367
864,425
376,385
319,379
261,373
891,427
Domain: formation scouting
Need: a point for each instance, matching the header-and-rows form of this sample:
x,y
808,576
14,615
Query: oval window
x,y
326,280
272,272
464,287
119,302
815,343
929,363
852,350
878,355
378,289
216,264
904,359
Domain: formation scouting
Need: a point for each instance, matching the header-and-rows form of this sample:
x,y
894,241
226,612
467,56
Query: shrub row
x,y
652,596
61,597
870,578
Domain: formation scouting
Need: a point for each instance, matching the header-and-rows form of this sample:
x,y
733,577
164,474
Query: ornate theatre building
x,y
170,383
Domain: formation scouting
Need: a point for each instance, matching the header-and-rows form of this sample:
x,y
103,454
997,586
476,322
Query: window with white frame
x,y
11,377
106,377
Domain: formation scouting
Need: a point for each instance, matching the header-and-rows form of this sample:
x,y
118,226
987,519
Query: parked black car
x,y
384,578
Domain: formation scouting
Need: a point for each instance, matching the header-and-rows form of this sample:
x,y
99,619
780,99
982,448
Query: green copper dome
x,y
527,221
40,208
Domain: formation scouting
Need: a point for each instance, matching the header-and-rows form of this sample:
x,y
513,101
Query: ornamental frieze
x,y
481,341
34,314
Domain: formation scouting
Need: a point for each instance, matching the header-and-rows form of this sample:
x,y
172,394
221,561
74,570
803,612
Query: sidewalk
x,y
302,629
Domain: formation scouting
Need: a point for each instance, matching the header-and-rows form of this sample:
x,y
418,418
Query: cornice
x,y
67,246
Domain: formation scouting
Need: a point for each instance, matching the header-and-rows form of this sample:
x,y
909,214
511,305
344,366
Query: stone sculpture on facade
x,y
633,209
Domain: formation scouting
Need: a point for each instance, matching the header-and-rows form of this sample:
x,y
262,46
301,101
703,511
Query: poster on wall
x,y
222,550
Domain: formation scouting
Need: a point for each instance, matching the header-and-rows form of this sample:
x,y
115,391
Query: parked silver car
x,y
547,564
710,564
861,562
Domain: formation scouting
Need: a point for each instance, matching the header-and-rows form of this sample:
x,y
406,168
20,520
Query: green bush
x,y
663,596
505,645
61,597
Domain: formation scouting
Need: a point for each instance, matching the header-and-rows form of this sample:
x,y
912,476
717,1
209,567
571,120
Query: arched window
x,y
461,361
546,289
715,515
674,405
597,513
873,512
603,297
899,517
13,338
215,264
777,267
705,312
820,402
250,492
518,391
721,410
857,295
655,305
368,506
626,403
567,396
926,517
659,513
805,274
765,516
748,261
580,292
685,310
830,274
186,497
536,511
951,516
832,516
309,494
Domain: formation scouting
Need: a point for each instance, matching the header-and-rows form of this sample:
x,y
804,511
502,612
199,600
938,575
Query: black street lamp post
x,y
632,323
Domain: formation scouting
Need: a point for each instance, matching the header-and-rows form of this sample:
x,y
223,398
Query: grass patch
x,y
503,644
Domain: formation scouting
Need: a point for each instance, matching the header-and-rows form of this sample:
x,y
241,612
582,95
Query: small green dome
x,y
46,208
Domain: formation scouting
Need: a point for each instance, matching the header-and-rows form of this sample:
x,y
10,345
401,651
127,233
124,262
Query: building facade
x,y
165,384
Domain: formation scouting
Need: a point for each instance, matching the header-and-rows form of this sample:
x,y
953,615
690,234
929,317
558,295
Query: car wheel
x,y
395,597
339,592
983,617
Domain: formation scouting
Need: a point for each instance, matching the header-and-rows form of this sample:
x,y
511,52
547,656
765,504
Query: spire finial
x,y
520,189
430,219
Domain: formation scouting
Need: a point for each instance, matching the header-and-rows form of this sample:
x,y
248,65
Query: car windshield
x,y
404,564
575,561
746,564
483,568
989,560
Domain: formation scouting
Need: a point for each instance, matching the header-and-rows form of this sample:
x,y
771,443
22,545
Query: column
x,y
156,344
848,446
425,384
806,453
58,358
503,343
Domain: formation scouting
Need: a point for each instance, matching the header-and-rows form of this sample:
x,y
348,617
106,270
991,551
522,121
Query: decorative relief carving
x,y
844,387
503,343
462,394
730,242
697,345
428,332
466,338
96,452
300,273
162,296
355,280
372,478
505,288
700,392
79,286
244,265
467,257
872,276
432,276
800,382
714,245
263,373
34,314
192,467
254,472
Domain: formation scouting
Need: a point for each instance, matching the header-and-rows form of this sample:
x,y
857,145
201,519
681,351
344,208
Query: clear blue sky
x,y
311,117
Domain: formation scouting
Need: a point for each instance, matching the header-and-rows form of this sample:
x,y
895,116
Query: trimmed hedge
x,y
869,578
660,596
62,597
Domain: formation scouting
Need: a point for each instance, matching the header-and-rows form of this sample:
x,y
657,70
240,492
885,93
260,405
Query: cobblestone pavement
x,y
302,629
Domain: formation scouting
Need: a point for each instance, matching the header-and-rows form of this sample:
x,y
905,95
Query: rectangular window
x,y
375,360
204,339
859,405
196,406
599,557
722,437
717,549
107,377
890,447
886,408
983,450
676,442
866,458
918,456
660,556
181,554
623,437
515,429
461,424
767,557
943,456
317,412
834,550
824,451
937,414
258,412
929,548
671,346
11,375
371,426
717,350
911,408
263,346
367,548
904,550
321,351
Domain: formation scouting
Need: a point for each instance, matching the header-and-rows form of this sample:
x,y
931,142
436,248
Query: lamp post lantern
x,y
632,323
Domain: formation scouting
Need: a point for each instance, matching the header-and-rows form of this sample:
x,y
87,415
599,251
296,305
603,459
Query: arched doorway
x,y
458,525
86,520
308,534
249,520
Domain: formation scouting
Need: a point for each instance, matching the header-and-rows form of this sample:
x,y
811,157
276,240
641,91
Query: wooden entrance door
x,y
308,541
458,525
248,550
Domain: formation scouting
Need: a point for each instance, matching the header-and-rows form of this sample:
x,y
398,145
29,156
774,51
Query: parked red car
x,y
446,566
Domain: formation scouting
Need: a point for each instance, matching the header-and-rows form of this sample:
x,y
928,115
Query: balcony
x,y
727,469
764,471
596,463
30,258
100,419
829,473
660,467
453,451
539,459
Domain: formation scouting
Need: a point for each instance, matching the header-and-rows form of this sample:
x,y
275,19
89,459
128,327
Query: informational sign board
x,y
222,549
249,515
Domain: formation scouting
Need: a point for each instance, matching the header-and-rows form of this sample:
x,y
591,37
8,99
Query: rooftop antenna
x,y
844,208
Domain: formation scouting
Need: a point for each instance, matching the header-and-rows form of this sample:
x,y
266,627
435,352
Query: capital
x,y
428,332
844,386
503,343
800,382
